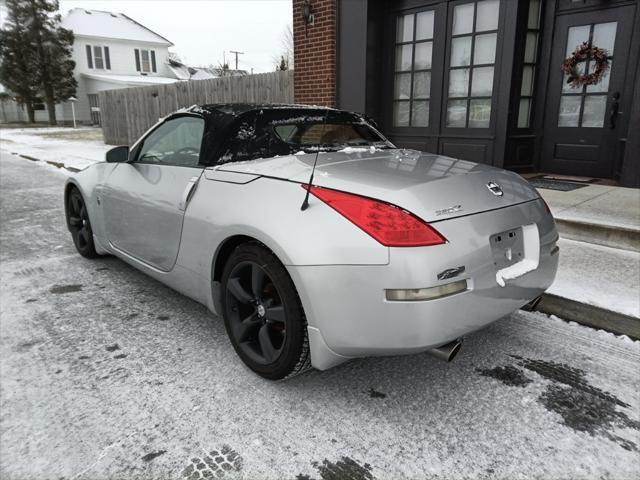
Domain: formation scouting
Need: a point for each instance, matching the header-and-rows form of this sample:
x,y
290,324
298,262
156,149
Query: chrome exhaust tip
x,y
447,352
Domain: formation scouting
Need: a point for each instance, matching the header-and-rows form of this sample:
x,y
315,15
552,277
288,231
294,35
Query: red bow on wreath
x,y
584,52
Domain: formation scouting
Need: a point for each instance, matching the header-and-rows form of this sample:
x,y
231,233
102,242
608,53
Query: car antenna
x,y
305,202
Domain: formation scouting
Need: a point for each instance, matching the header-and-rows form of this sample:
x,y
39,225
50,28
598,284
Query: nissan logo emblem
x,y
495,189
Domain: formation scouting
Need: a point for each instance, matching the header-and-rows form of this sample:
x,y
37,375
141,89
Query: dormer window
x,y
98,57
145,61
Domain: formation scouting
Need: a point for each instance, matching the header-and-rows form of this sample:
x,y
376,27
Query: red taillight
x,y
388,224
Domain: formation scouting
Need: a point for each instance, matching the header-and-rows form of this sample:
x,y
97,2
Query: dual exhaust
x,y
446,352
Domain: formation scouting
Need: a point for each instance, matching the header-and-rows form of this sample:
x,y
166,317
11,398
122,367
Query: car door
x,y
144,200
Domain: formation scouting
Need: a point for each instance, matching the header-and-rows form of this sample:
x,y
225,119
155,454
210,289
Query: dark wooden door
x,y
582,124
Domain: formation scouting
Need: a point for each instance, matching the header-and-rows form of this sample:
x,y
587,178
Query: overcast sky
x,y
202,30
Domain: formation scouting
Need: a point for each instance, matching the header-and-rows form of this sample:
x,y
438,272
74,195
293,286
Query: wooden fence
x,y
129,112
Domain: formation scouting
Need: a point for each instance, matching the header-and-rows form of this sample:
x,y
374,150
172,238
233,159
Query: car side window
x,y
176,142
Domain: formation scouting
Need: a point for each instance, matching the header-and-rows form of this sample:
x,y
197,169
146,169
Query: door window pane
x,y
423,54
176,142
527,81
460,51
523,113
421,84
424,25
403,58
569,115
604,36
420,114
566,86
459,82
594,110
575,37
533,20
482,83
485,49
531,47
479,113
603,85
463,19
402,87
487,15
401,114
404,29
456,113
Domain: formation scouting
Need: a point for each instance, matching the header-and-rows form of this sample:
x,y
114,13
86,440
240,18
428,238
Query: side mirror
x,y
118,155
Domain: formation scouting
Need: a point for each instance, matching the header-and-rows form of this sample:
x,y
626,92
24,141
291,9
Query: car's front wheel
x,y
79,224
263,315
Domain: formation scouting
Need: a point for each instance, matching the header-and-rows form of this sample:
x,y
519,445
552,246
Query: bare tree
x,y
285,57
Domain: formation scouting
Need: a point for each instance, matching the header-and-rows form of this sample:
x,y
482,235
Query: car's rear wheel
x,y
79,224
263,315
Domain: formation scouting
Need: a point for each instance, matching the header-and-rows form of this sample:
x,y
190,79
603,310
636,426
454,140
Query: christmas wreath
x,y
582,53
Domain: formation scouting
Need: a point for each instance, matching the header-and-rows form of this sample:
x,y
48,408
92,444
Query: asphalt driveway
x,y
105,373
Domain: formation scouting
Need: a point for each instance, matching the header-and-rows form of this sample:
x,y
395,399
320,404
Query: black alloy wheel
x,y
79,224
263,315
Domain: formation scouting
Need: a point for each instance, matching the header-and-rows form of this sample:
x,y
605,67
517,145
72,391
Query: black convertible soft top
x,y
244,131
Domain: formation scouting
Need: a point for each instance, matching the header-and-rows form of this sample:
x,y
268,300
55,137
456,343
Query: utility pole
x,y
237,53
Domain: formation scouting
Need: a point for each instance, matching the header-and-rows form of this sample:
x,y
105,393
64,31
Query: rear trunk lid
x,y
433,187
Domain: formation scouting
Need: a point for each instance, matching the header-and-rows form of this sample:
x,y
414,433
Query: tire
x,y
79,224
263,315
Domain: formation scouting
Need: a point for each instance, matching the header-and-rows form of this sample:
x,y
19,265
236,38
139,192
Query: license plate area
x,y
507,247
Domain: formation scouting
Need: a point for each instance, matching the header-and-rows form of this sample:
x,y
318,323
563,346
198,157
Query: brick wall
x,y
314,53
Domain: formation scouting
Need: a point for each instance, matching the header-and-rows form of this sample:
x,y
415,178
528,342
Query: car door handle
x,y
188,192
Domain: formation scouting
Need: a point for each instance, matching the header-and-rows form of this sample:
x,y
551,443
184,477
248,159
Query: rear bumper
x,y
348,313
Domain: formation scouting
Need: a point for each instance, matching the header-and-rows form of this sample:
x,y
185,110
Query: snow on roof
x,y
131,79
98,23
180,71
202,74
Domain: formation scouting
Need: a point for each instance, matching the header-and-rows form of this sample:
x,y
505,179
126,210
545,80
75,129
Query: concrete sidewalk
x,y
598,282
604,215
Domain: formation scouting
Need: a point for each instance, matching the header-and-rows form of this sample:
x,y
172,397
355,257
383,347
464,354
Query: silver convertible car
x,y
313,236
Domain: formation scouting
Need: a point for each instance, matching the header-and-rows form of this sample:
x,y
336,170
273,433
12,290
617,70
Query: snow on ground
x,y
598,204
602,276
105,373
48,145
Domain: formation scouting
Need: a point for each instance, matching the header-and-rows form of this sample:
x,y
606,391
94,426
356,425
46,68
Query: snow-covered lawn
x,y
73,149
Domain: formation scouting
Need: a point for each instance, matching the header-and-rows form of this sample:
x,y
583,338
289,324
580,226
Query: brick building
x,y
481,80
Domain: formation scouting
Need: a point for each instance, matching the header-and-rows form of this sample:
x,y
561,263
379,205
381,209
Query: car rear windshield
x,y
268,133
327,135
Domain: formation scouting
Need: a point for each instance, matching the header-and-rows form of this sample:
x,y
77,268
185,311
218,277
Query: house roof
x,y
98,23
133,80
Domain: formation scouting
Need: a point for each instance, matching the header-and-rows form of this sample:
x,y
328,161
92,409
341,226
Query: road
x,y
106,373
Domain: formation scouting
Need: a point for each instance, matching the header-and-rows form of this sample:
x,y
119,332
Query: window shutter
x,y
137,52
89,57
153,61
107,59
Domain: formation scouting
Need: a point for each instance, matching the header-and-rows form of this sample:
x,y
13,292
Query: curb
x,y
55,164
610,236
590,315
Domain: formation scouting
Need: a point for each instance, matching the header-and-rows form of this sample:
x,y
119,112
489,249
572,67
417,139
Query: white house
x,y
111,51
